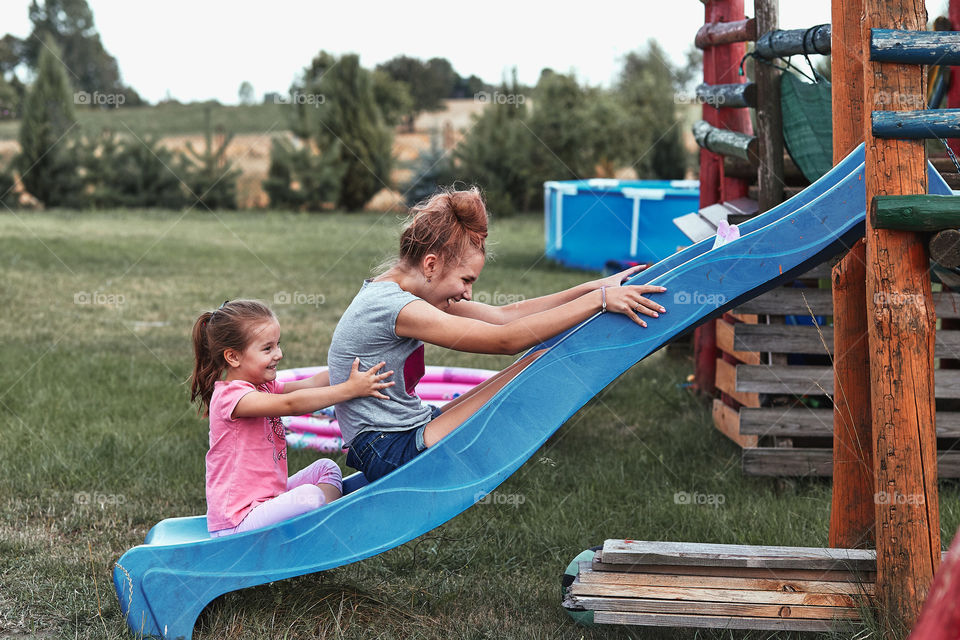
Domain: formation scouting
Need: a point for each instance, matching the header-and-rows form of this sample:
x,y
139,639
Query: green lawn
x,y
174,119
95,352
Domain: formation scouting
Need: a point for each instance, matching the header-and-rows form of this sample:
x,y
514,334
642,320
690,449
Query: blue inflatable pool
x,y
588,222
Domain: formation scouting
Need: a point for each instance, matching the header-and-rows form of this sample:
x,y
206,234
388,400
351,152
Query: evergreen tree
x,y
211,180
349,123
495,155
69,24
431,170
47,162
302,179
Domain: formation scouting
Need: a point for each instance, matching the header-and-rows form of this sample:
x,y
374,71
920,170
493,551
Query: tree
x,y
69,24
392,96
301,178
211,180
429,82
46,162
349,123
495,155
646,86
245,93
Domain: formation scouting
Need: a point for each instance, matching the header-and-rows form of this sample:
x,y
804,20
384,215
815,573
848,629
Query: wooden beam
x,y
727,421
901,339
915,125
790,42
803,302
711,622
715,33
769,119
915,47
915,213
724,142
727,382
813,340
803,462
728,96
804,422
851,507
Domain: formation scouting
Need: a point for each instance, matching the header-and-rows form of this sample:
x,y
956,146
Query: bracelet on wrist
x,y
603,299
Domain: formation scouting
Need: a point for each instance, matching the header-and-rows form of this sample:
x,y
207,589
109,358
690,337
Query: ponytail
x,y
213,333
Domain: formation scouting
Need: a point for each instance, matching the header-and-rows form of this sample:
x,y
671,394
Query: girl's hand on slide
x,y
630,301
369,382
618,279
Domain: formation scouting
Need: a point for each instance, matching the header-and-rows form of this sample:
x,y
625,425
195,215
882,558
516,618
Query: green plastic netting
x,y
807,124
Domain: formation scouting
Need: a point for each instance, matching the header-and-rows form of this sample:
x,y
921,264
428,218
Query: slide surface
x,y
164,584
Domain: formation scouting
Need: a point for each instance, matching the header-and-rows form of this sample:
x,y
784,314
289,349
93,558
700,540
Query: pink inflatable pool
x,y
320,430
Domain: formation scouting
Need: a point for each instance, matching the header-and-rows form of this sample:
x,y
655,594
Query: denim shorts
x,y
377,453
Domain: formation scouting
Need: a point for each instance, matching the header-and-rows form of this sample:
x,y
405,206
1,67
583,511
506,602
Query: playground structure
x,y
163,584
884,429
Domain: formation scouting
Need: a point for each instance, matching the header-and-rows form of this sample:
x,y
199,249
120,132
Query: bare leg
x,y
510,371
330,492
456,412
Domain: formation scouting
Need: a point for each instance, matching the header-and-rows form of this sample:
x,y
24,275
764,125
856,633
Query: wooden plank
x,y
816,380
810,339
710,622
793,301
769,583
695,227
697,594
816,423
714,33
726,343
775,461
726,381
727,420
863,577
651,605
945,248
735,555
715,214
915,47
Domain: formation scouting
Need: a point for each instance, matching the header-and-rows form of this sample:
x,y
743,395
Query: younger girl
x,y
425,297
247,483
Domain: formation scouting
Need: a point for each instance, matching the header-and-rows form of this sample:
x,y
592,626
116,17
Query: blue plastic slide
x,y
164,583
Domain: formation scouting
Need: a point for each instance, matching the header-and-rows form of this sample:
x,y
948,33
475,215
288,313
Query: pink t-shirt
x,y
247,460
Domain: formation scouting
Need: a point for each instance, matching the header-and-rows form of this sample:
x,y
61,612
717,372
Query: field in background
x,y
102,442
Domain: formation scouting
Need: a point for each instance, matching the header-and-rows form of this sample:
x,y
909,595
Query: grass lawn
x,y
102,443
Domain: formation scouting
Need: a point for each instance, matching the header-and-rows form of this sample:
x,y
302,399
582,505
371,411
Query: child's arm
x,y
258,404
322,379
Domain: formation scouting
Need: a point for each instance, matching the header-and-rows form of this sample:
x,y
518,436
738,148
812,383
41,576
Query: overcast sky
x,y
202,49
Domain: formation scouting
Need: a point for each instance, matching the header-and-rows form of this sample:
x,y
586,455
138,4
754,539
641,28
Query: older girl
x,y
425,297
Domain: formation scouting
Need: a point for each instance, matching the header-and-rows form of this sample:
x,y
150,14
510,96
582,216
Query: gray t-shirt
x,y
368,329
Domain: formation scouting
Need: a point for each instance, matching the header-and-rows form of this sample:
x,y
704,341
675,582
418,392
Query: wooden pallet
x,y
680,584
762,408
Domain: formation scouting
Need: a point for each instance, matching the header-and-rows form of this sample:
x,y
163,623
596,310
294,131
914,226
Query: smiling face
x,y
257,363
453,282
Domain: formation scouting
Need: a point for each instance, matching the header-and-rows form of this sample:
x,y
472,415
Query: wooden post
x,y
901,337
720,66
851,510
769,118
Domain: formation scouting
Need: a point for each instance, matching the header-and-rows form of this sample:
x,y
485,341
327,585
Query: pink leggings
x,y
302,495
